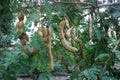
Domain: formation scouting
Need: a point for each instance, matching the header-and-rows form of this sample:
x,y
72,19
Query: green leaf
x,y
48,10
97,32
108,78
117,52
45,76
91,73
101,56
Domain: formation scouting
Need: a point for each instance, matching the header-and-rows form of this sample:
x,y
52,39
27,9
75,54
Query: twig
x,y
109,58
83,3
109,4
91,4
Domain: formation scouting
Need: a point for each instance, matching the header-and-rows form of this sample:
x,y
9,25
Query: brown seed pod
x,y
49,49
34,51
79,41
21,16
90,27
25,47
68,33
23,42
44,31
62,38
73,37
25,36
19,27
81,51
67,23
26,50
40,33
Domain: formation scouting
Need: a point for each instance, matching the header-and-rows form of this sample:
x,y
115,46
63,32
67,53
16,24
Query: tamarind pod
x,y
40,33
23,42
73,37
65,63
26,50
49,49
80,43
44,31
68,33
25,36
62,38
34,51
60,29
21,16
90,27
19,27
72,42
81,51
25,47
68,47
67,23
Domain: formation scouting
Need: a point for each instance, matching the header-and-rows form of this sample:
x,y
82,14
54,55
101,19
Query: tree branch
x,y
109,58
84,3
91,4
109,4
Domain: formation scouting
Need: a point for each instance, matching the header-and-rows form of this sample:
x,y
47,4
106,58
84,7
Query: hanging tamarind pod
x,y
73,37
67,23
62,38
34,51
81,50
68,33
90,26
44,31
49,49
21,16
22,36
19,27
79,41
23,42
25,36
40,33
26,50
25,47
65,63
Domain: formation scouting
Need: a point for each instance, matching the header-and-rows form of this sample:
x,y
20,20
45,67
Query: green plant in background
x,y
100,53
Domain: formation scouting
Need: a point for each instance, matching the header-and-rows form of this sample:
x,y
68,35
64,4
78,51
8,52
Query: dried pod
x,y
73,37
21,16
49,49
79,41
24,36
40,33
23,42
62,38
19,27
26,50
68,33
44,31
81,51
34,51
67,23
90,27
25,47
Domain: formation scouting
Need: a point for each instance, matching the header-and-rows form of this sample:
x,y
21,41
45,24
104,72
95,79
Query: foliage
x,y
96,51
